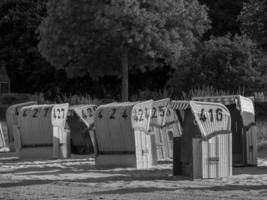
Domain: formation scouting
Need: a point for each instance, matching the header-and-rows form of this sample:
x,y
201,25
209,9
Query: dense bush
x,y
261,121
225,63
208,91
254,21
261,110
14,98
155,95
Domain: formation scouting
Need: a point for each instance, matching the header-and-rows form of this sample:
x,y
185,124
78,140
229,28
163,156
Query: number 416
x,y
219,115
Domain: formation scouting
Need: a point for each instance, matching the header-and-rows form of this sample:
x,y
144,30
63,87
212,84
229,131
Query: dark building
x,y
4,80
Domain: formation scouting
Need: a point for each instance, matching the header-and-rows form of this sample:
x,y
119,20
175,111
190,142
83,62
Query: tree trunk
x,y
125,79
250,58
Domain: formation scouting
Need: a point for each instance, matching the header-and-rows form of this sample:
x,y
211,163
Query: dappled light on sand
x,y
77,178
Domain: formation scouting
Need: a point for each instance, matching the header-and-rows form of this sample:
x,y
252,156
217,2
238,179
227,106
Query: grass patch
x,y
262,132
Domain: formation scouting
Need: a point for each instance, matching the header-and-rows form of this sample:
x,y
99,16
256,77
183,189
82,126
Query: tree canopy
x,y
224,16
254,21
223,63
99,42
18,43
106,37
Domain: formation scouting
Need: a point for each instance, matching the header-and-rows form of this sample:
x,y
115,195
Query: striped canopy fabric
x,y
246,105
86,113
225,100
159,112
2,139
180,105
211,118
35,125
117,123
229,100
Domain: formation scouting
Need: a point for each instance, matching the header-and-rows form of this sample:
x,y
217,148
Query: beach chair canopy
x,y
211,118
12,114
115,124
86,113
162,113
36,123
243,104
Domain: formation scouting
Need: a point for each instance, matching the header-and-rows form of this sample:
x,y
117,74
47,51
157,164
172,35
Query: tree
x,y
223,63
254,21
18,44
98,36
224,16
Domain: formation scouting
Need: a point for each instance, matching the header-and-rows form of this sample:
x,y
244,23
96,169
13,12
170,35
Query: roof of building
x,y
3,74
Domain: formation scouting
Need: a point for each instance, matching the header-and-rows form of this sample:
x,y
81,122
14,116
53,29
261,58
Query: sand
x,y
77,178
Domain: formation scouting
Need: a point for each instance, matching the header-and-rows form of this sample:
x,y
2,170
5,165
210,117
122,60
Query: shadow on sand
x,y
66,170
250,170
229,188
79,170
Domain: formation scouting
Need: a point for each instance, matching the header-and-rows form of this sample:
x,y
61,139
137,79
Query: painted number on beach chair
x,y
154,113
59,113
35,111
124,115
218,112
161,110
146,113
84,115
16,112
24,113
90,112
100,116
112,116
140,115
46,111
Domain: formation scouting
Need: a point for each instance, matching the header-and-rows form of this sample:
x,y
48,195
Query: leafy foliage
x,y
91,36
223,63
224,16
14,98
79,99
18,44
155,95
254,21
